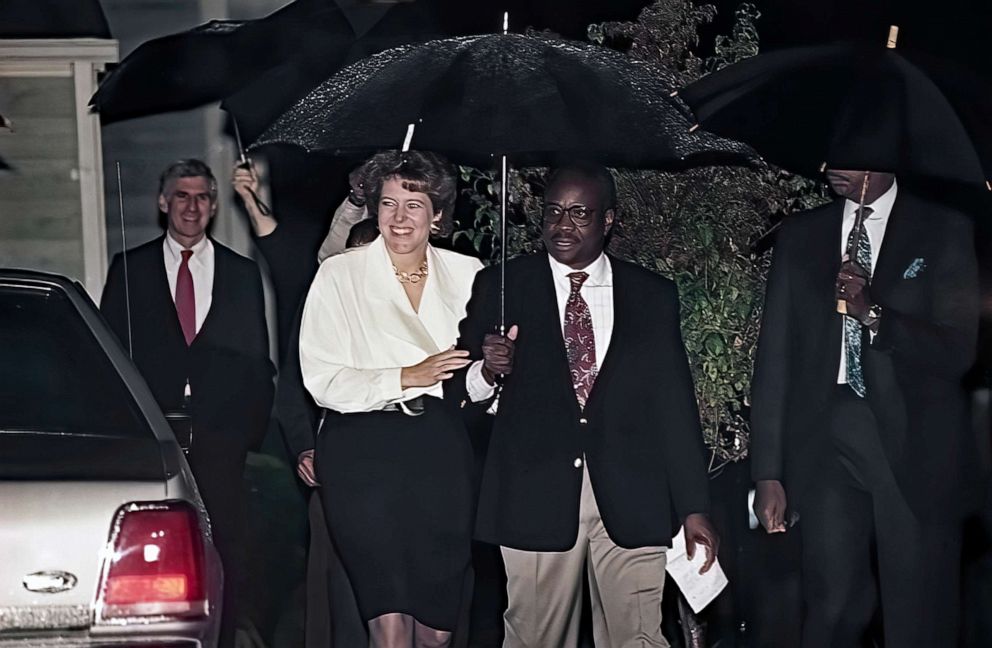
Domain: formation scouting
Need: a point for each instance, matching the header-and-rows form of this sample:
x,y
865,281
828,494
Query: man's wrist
x,y
488,375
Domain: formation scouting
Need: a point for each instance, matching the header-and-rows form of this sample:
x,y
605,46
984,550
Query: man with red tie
x,y
193,314
596,456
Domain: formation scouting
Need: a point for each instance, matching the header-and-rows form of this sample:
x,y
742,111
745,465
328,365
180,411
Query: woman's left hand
x,y
434,369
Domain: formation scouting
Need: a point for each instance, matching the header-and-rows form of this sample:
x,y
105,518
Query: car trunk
x,y
54,532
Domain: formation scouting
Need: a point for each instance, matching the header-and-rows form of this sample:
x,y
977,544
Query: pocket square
x,y
914,268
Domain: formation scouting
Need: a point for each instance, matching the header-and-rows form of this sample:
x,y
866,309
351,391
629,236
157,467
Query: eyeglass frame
x,y
582,222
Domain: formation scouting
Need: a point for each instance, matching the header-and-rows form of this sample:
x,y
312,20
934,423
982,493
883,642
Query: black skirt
x,y
397,490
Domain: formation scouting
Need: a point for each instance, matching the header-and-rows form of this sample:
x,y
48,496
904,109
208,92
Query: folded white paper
x,y
699,589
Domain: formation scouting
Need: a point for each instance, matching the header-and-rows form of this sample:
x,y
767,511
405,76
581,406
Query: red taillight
x,y
155,564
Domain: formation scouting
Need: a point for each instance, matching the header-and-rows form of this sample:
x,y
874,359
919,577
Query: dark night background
x,y
954,29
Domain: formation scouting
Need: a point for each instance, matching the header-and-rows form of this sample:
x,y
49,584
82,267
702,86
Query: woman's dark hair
x,y
420,171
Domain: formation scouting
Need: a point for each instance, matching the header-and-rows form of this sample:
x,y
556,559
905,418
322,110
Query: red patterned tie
x,y
185,299
580,345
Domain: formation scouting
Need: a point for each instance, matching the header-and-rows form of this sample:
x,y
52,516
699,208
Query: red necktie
x,y
186,299
580,344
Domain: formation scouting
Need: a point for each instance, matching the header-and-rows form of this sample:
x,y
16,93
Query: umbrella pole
x,y
502,246
502,221
852,247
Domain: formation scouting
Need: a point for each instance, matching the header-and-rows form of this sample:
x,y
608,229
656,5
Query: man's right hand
x,y
769,505
245,182
497,354
356,181
304,468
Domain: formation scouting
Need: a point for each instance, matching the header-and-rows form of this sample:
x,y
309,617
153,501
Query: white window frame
x,y
80,59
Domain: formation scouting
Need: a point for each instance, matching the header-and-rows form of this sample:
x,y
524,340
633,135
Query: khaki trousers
x,y
545,589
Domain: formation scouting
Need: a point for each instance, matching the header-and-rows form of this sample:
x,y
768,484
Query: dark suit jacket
x,y
227,365
913,369
639,432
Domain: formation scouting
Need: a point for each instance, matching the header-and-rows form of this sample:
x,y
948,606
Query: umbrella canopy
x,y
259,68
290,51
532,98
852,107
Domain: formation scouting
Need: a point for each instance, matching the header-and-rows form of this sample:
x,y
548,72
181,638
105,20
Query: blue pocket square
x,y
914,268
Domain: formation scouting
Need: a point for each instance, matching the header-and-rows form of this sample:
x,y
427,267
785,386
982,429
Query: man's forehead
x,y
191,184
575,186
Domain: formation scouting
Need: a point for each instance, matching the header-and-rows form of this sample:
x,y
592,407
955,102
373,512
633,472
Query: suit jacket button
x,y
578,462
583,421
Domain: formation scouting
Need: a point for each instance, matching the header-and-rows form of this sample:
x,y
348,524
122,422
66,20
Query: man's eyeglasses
x,y
580,215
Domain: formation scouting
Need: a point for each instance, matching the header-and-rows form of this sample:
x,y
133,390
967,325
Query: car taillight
x,y
155,563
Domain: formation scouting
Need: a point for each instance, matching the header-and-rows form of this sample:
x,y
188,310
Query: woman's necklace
x,y
412,277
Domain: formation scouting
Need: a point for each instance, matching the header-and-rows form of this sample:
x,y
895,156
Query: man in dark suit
x,y
596,454
192,312
862,419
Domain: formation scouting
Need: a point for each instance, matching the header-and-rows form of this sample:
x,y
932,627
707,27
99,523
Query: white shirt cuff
x,y
476,385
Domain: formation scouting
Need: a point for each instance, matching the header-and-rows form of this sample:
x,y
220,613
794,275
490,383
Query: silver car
x,y
104,540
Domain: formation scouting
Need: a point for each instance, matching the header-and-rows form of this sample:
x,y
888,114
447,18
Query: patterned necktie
x,y
852,327
185,299
580,344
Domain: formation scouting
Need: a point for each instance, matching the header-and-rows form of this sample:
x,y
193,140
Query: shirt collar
x,y
598,271
175,248
882,206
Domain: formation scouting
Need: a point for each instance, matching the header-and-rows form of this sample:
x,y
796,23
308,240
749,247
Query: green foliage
x,y
696,227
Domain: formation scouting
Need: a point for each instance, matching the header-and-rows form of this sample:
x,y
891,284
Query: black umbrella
x,y
283,56
850,106
531,98
259,68
853,107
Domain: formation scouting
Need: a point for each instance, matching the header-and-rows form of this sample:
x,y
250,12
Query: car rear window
x,y
55,378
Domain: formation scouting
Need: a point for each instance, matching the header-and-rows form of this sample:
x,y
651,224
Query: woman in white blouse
x,y
393,458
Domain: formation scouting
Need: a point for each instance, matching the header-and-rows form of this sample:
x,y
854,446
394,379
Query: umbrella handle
x,y
842,307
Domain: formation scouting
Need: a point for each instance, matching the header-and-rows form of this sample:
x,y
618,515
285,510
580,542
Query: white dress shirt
x,y
359,329
201,266
875,225
597,291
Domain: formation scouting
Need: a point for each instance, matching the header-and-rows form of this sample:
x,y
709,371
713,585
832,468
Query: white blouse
x,y
359,329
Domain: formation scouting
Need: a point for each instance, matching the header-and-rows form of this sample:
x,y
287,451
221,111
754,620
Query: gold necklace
x,y
412,277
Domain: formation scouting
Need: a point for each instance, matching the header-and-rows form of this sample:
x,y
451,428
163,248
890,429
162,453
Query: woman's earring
x,y
435,228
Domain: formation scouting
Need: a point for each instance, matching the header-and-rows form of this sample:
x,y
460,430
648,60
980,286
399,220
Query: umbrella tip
x,y
673,93
694,128
988,184
409,137
506,22
893,36
823,167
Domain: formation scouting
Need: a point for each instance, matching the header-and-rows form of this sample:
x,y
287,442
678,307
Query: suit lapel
x,y
541,302
217,291
821,304
161,294
623,317
901,234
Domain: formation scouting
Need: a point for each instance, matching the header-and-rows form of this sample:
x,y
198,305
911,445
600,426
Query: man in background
x,y
193,314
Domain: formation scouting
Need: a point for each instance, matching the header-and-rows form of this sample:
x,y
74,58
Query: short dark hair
x,y
191,168
596,172
420,171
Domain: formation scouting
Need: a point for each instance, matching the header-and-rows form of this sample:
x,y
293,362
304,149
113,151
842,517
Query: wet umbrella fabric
x,y
259,68
852,107
532,98
285,53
